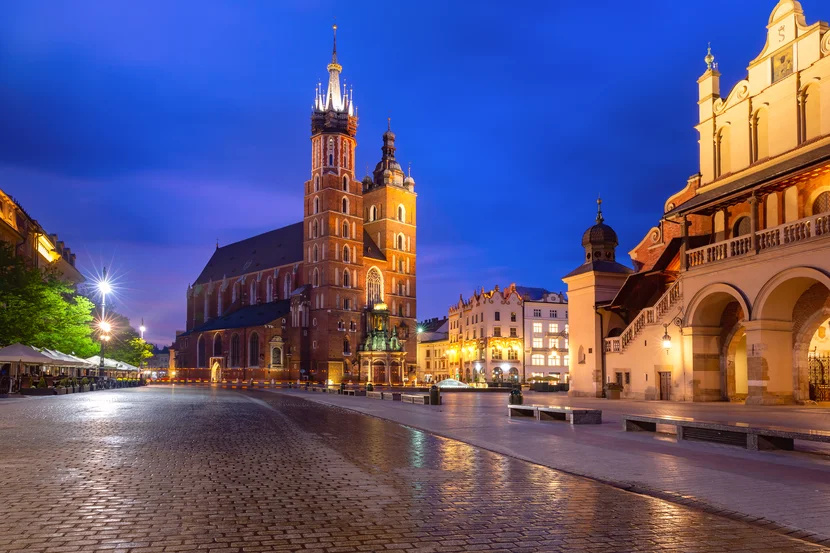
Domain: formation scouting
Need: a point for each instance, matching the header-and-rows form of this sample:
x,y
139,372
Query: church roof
x,y
282,246
370,249
251,315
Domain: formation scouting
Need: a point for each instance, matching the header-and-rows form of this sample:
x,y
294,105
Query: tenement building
x,y
329,298
433,342
29,240
730,297
494,334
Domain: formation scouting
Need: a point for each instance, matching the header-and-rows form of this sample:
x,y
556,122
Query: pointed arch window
x,y
200,352
315,279
346,254
287,287
253,351
401,242
347,347
401,213
331,152
345,205
314,254
317,183
315,229
345,229
217,345
346,279
269,290
220,303
252,294
374,287
373,213
316,205
235,292
206,312
235,353
345,184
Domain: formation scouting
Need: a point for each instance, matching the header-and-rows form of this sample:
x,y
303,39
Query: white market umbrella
x,y
20,354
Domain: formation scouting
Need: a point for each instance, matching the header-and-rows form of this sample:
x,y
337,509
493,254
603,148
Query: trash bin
x,y
370,387
434,395
516,397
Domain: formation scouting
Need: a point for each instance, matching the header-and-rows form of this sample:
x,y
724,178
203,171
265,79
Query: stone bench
x,y
354,393
391,396
420,399
740,434
374,395
568,414
556,413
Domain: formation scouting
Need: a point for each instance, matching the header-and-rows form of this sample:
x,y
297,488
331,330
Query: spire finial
x,y
367,169
217,243
388,123
334,49
409,173
709,59
600,218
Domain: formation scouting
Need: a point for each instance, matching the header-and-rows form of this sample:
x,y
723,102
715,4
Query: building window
x,y
537,328
276,356
566,344
235,353
315,279
219,303
347,279
347,347
513,332
234,292
401,214
497,331
345,229
822,203
217,345
331,152
512,317
314,254
269,290
742,227
537,360
252,295
495,354
345,184
253,351
566,324
374,287
553,327
537,343
345,205
553,360
200,352
553,313
537,312
316,205
566,360
346,252
315,229
373,213
401,242
317,184
498,316
287,287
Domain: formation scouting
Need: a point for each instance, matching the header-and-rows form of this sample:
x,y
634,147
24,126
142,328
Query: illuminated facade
x,y
433,343
731,295
546,337
33,243
330,298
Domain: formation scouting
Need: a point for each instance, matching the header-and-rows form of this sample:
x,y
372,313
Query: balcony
x,y
776,238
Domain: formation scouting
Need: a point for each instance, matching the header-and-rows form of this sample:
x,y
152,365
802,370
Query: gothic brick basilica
x,y
331,298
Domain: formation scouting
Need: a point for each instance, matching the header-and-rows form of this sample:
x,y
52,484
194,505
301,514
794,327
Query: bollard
x,y
342,388
434,395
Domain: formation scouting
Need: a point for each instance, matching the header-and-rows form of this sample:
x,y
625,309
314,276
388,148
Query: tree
x,y
125,345
38,309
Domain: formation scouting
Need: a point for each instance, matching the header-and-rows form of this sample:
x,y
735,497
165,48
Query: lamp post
x,y
141,330
104,288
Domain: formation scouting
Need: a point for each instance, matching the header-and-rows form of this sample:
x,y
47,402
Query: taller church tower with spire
x,y
354,275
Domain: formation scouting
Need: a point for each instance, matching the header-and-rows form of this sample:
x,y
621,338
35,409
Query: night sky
x,y
140,132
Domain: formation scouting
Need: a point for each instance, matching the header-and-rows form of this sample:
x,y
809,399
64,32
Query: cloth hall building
x,y
730,296
329,298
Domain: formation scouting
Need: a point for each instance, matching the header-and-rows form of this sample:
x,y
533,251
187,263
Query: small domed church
x,y
331,298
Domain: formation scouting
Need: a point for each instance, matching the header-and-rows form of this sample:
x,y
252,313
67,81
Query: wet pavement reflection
x,y
187,469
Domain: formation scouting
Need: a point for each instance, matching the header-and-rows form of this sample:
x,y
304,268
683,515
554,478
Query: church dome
x,y
600,234
409,180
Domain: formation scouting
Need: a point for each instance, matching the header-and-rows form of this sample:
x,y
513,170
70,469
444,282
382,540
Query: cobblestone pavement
x,y
790,489
187,469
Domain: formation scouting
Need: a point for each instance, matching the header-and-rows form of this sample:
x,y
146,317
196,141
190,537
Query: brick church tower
x,y
348,269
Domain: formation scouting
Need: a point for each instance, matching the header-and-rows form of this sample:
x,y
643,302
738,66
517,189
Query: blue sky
x,y
140,132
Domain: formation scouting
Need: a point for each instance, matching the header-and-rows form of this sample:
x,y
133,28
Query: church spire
x,y
334,98
600,218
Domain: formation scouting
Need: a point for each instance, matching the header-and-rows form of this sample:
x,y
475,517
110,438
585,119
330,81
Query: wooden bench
x,y
374,395
740,434
420,399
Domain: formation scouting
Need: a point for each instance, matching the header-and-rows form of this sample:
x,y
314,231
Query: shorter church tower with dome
x,y
591,285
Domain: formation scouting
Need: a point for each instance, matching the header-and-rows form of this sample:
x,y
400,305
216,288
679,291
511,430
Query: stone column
x,y
684,245
753,219
769,362
704,353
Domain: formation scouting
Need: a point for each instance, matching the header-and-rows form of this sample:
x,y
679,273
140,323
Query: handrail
x,y
647,316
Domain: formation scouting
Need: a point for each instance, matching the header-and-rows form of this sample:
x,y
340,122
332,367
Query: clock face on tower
x,y
782,64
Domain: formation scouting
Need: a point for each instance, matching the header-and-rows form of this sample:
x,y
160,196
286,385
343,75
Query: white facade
x,y
546,339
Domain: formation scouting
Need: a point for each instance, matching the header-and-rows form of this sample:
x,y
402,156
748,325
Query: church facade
x,y
331,298
729,299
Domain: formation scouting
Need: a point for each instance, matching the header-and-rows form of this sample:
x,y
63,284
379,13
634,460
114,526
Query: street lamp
x,y
104,288
141,329
666,338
